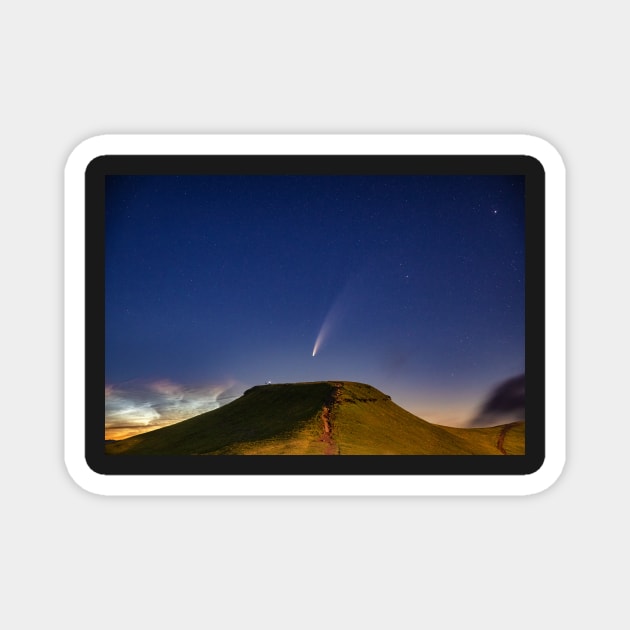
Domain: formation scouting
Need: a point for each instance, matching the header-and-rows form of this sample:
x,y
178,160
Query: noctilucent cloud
x,y
412,284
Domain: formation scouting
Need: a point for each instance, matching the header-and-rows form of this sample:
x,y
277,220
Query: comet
x,y
318,342
324,330
334,313
320,338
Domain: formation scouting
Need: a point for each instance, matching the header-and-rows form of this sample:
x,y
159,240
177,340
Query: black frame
x,y
534,173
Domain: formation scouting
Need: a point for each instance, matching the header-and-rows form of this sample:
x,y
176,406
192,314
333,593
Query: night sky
x,y
413,284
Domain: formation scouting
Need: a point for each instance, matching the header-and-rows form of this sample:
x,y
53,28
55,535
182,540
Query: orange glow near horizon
x,y
140,406
121,433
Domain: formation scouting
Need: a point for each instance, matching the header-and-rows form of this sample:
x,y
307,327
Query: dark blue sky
x,y
218,283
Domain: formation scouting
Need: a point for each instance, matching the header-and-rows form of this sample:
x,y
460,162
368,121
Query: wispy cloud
x,y
506,403
138,406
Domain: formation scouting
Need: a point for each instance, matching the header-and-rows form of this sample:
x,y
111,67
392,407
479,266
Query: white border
x,y
324,485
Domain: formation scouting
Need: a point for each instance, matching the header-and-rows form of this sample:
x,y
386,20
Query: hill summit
x,y
321,418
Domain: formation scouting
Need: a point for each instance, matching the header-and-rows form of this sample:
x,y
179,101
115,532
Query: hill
x,y
323,418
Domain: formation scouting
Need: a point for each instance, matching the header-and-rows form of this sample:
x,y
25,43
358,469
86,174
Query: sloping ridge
x,y
322,418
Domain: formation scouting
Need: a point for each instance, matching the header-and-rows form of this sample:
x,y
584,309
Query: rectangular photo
x,y
314,315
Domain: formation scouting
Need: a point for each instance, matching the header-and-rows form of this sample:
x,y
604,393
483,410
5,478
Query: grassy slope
x,y
514,443
253,418
368,422
287,419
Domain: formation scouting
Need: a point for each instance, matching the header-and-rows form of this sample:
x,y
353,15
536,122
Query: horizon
x,y
121,432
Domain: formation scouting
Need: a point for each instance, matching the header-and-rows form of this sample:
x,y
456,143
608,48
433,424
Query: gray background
x,y
72,70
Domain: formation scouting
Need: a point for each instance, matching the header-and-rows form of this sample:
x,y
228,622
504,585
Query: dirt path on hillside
x,y
331,447
501,439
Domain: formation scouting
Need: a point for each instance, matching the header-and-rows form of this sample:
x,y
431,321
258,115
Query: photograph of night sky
x,y
314,314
